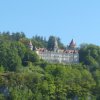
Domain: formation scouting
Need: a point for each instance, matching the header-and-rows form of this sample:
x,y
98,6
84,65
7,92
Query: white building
x,y
69,55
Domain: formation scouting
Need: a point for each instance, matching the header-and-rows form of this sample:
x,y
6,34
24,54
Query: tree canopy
x,y
26,77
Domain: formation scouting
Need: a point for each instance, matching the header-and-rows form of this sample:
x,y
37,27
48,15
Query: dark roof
x,y
72,43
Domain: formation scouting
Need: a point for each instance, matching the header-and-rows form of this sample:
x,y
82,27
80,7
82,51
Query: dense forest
x,y
23,76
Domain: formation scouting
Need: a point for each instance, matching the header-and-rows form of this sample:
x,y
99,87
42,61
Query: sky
x,y
67,19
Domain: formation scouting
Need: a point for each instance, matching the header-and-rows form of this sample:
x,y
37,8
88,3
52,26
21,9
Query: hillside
x,y
24,76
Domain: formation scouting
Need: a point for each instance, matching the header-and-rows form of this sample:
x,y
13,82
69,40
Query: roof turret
x,y
30,45
56,45
72,44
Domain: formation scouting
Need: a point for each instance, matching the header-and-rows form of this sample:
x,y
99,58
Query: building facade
x,y
68,55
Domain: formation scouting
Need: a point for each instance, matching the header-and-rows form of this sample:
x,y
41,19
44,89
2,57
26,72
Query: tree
x,y
2,97
9,59
90,55
20,93
30,56
17,36
51,41
60,44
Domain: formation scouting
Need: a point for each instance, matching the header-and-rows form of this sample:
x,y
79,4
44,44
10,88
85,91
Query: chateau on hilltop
x,y
68,55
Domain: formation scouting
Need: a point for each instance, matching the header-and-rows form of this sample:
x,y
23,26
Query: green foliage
x,y
90,54
9,56
54,82
2,97
29,78
20,93
30,56
39,41
50,45
2,69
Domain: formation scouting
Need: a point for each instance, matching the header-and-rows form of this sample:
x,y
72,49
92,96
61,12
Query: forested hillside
x,y
23,76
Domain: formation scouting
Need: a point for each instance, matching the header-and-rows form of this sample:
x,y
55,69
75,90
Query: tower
x,y
72,44
56,45
30,45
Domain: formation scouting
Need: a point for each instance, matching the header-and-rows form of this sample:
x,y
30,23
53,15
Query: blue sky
x,y
67,19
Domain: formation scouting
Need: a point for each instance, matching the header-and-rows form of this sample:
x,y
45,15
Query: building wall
x,y
55,57
68,55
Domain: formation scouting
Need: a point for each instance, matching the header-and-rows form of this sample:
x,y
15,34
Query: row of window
x,y
56,55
